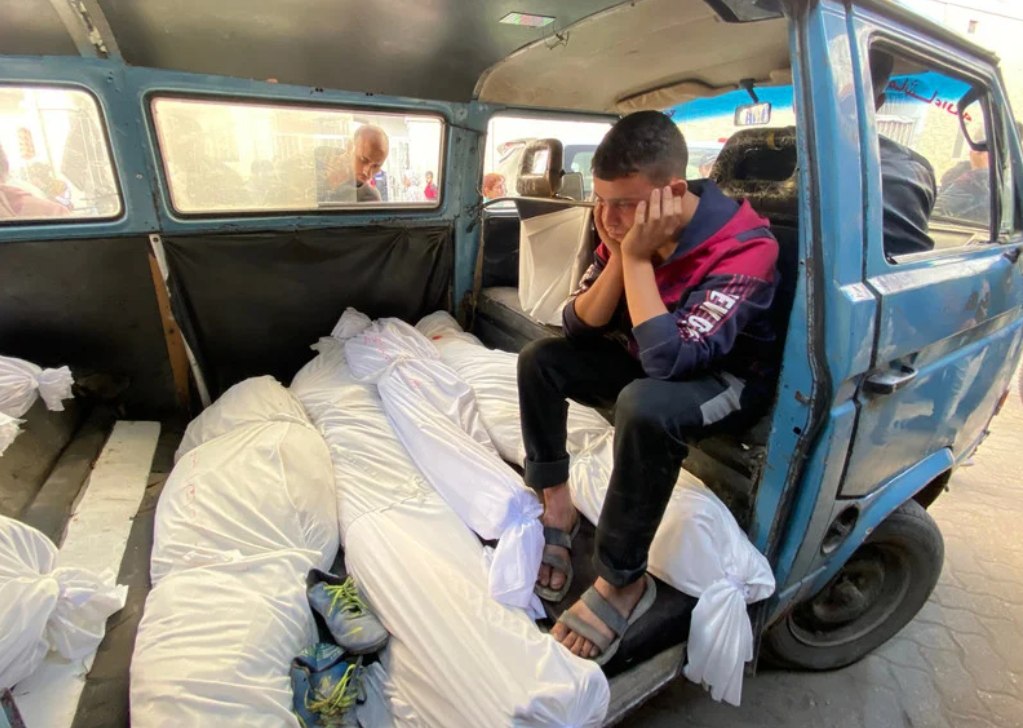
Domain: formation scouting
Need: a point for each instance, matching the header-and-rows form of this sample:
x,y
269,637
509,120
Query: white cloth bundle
x,y
9,429
249,509
21,382
457,658
44,606
698,549
216,642
434,413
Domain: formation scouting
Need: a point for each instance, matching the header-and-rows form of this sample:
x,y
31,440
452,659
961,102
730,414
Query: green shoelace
x,y
340,700
346,597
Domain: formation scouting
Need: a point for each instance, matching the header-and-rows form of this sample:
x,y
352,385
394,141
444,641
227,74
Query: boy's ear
x,y
679,187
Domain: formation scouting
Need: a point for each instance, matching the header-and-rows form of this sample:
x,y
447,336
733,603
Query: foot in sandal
x,y
594,626
561,523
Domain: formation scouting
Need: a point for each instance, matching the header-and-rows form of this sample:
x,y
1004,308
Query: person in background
x,y
349,174
908,186
16,203
430,192
493,186
966,193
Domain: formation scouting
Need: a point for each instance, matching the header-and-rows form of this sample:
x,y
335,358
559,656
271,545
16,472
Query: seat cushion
x,y
502,324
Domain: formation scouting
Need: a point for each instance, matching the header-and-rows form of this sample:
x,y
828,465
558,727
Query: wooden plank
x,y
96,538
172,335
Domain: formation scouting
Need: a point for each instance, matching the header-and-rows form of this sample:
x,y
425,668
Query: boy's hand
x,y
613,246
657,224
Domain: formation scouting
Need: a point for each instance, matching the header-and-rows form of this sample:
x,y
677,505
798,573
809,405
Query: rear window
x,y
54,159
221,156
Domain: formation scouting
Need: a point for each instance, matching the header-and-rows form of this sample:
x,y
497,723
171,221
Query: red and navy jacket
x,y
718,287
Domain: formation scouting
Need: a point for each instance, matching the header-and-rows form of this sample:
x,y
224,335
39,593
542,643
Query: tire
x,y
876,593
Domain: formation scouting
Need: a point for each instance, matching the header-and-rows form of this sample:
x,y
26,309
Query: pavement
x,y
959,664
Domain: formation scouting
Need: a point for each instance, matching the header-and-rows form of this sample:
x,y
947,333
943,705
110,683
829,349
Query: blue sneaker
x,y
349,620
325,686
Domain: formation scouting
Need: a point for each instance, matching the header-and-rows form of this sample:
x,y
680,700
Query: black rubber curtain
x,y
252,304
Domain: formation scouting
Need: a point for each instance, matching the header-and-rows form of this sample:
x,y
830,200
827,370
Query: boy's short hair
x,y
647,142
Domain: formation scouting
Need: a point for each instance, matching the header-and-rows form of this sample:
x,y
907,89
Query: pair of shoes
x,y
325,684
557,537
349,620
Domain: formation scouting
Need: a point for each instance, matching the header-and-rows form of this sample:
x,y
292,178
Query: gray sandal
x,y
556,537
611,617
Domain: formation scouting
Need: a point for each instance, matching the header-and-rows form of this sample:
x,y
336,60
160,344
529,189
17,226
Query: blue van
x,y
169,226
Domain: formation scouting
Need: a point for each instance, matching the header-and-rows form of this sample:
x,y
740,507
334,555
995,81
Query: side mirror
x,y
541,173
971,100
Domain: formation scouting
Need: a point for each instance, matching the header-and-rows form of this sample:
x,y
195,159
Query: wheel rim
x,y
860,598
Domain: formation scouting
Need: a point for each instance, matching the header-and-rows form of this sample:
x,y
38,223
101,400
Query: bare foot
x,y
624,600
558,513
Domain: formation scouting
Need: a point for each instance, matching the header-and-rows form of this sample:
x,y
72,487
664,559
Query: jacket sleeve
x,y
574,326
705,325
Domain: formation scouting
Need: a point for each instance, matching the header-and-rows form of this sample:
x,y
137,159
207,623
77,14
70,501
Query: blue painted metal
x,y
877,506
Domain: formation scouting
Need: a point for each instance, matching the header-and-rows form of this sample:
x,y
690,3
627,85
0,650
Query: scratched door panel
x,y
940,255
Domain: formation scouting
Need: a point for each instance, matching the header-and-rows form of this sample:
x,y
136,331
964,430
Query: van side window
x,y
54,160
936,184
241,157
507,137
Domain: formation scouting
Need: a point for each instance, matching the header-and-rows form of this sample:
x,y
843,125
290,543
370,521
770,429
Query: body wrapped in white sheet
x,y
249,509
434,413
699,548
457,658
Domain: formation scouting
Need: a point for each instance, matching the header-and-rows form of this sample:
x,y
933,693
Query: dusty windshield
x,y
708,123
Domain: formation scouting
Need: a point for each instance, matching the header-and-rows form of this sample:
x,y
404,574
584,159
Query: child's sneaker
x,y
325,686
348,619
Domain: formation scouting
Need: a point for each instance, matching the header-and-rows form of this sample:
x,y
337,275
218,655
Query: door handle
x,y
889,381
1013,254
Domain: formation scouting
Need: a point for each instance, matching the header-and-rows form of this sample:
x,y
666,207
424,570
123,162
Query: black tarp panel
x,y
252,304
89,304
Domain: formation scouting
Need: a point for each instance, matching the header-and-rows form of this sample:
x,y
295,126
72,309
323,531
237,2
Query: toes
x,y
570,641
557,579
580,647
559,631
545,575
594,652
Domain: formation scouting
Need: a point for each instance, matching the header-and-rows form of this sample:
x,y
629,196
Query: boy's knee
x,y
640,405
540,355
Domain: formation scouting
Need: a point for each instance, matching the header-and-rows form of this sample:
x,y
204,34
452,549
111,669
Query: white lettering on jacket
x,y
715,308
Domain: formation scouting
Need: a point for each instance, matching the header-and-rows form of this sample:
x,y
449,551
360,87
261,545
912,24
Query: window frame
x,y
343,209
928,56
104,127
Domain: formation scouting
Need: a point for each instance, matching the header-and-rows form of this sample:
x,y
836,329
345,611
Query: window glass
x,y
54,159
708,123
508,136
936,187
224,156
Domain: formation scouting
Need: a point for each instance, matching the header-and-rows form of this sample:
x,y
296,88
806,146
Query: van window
x,y
54,160
507,137
936,188
223,156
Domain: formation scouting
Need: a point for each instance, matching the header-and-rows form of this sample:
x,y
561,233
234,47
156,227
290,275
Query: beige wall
x,y
999,26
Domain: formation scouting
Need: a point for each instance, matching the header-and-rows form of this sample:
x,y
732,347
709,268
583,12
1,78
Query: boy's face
x,y
620,198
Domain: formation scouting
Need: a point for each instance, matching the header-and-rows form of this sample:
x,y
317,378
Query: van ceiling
x,y
642,54
434,49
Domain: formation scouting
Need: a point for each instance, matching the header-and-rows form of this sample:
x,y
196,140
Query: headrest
x,y
760,165
541,171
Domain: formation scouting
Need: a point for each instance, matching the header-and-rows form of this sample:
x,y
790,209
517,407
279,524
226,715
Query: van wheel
x,y
877,592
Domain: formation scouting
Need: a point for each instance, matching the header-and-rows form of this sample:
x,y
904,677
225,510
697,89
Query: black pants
x,y
652,420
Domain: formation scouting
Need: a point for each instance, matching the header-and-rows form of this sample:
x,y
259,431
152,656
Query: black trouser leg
x,y
652,420
552,371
